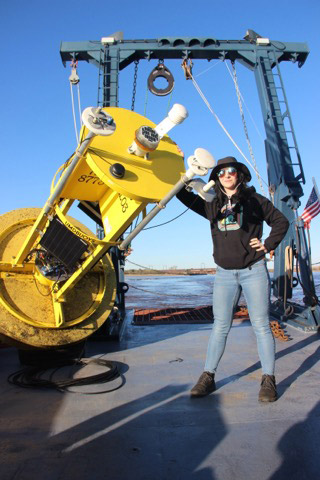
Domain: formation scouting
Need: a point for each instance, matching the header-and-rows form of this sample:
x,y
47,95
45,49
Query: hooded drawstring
x,y
228,205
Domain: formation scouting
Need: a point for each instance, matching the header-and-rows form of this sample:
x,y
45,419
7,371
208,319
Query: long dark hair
x,y
243,191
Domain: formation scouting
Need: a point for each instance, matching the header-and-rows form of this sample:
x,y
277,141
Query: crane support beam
x,y
183,47
102,54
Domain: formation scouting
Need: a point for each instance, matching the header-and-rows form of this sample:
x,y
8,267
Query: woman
x,y
236,217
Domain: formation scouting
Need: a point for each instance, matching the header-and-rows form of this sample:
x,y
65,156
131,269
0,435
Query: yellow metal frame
x,y
120,201
29,268
8,267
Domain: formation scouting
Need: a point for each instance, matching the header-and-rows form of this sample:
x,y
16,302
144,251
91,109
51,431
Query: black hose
x,y
32,377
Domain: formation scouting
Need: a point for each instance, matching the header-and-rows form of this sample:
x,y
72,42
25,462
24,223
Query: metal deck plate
x,y
152,429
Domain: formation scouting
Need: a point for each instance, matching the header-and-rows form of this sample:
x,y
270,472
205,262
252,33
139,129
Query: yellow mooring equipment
x,y
57,282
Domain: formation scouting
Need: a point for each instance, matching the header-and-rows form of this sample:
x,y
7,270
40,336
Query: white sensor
x,y
176,115
200,162
98,121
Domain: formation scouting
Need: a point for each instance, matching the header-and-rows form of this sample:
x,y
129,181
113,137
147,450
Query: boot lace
x,y
205,379
268,383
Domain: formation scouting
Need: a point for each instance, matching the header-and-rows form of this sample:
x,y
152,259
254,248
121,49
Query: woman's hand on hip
x,y
258,245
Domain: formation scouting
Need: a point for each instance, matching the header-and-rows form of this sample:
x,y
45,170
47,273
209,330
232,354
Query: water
x,y
159,291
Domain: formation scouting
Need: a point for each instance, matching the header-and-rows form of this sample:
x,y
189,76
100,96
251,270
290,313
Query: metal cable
x,y
134,90
165,223
74,114
235,80
243,101
221,124
79,105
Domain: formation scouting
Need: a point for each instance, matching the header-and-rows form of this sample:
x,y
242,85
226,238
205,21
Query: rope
x,y
235,80
74,80
169,101
221,124
142,266
74,114
79,104
163,294
146,102
209,68
289,262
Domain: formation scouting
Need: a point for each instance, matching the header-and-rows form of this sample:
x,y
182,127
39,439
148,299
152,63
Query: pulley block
x,y
187,68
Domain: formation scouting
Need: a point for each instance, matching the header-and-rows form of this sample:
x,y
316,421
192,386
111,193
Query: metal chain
x,y
235,79
136,63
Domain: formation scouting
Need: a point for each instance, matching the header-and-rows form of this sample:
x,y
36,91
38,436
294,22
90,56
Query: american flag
x,y
311,209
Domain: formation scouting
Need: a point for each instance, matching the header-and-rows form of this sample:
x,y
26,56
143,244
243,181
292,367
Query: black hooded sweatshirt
x,y
236,223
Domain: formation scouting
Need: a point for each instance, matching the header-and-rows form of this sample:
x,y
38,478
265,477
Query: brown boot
x,y
204,385
268,390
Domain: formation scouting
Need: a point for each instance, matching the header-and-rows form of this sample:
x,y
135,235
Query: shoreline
x,y
181,274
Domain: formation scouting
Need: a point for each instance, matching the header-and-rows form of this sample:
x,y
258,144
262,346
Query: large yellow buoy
x,y
57,282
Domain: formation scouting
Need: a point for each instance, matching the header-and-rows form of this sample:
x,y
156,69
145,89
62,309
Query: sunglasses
x,y
231,170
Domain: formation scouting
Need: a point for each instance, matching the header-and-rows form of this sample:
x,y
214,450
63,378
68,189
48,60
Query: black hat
x,y
230,162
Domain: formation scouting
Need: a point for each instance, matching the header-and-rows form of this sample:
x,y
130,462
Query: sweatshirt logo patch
x,y
231,220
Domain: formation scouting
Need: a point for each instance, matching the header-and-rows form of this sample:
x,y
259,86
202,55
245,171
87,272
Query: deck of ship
x,y
151,429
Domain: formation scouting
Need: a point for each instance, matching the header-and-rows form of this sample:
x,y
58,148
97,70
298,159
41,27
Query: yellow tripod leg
x,y
121,211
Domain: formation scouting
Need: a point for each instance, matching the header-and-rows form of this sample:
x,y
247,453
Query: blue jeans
x,y
255,283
